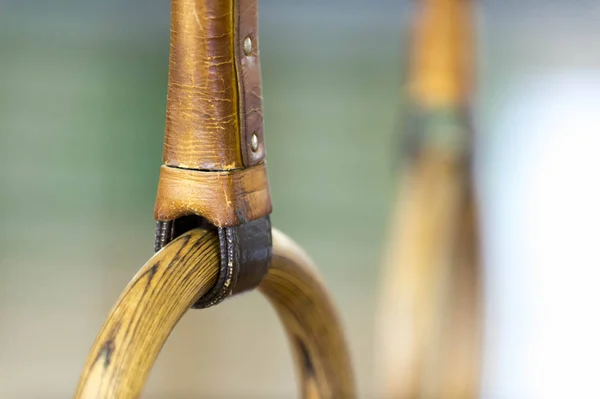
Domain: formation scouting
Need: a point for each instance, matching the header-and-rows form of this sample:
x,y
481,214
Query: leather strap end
x,y
226,198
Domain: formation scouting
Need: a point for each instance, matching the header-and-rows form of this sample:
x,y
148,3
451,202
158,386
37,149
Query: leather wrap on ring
x,y
214,171
245,254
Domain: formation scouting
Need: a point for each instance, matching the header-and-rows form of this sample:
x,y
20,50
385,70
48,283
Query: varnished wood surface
x,y
145,314
171,281
310,319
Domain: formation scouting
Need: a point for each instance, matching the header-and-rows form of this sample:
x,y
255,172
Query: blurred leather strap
x,y
441,66
214,150
440,76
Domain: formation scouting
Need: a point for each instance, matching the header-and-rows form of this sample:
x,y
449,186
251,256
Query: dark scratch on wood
x,y
107,350
150,273
305,358
108,347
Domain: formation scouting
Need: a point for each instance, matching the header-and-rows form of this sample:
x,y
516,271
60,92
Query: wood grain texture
x,y
145,314
172,280
226,198
310,319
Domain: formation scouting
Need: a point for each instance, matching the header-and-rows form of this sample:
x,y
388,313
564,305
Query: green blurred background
x,y
82,111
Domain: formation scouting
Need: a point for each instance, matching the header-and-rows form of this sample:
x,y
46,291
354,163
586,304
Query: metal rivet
x,y
254,142
247,45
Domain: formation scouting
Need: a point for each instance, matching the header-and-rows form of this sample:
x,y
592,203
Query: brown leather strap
x,y
214,169
214,144
248,66
214,103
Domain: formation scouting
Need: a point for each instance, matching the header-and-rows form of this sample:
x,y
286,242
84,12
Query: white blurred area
x,y
541,196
